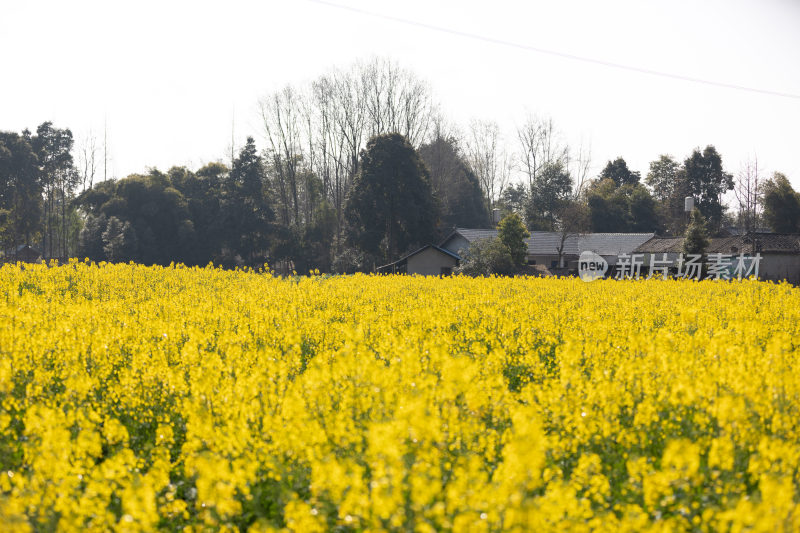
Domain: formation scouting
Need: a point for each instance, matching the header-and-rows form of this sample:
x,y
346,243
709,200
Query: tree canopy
x,y
706,181
512,233
357,168
454,184
618,172
696,238
781,205
624,208
550,192
391,205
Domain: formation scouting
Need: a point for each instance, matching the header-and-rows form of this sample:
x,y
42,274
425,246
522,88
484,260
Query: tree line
x,y
356,168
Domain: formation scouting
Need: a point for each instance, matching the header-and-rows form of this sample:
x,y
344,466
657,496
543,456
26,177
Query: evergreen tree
x,y
20,191
706,180
485,257
59,176
391,206
619,172
119,241
621,209
512,233
157,213
607,208
247,212
781,205
666,180
696,238
90,239
642,214
550,191
454,184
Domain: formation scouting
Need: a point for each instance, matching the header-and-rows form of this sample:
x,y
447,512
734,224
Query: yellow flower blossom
x,y
171,398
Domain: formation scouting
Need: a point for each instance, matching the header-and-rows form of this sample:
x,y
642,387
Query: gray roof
x,y
539,243
661,245
474,234
612,243
548,242
758,242
744,244
415,252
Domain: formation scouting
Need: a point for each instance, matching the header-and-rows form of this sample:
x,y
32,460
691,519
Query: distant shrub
x,y
486,257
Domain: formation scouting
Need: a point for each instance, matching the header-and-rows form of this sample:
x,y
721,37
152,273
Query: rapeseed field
x,y
145,398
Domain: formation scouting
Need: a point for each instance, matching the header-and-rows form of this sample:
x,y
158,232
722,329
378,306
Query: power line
x,y
556,53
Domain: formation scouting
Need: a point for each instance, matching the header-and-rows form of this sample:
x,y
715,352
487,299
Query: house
x,y
780,252
544,246
610,245
24,253
429,260
460,238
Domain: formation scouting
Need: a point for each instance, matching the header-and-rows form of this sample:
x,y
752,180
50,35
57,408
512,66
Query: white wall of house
x,y
429,262
777,267
773,266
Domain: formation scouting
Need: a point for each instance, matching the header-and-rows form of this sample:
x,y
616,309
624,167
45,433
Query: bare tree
x,y
105,150
315,136
395,101
350,119
488,159
748,191
437,154
573,220
573,215
87,160
281,114
335,123
578,163
539,146
321,128
443,128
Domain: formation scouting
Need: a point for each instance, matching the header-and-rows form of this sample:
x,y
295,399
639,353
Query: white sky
x,y
167,76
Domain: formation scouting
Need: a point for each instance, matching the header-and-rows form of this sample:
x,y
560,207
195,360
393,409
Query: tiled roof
x,y
476,234
612,243
758,242
661,245
539,243
415,252
548,242
746,244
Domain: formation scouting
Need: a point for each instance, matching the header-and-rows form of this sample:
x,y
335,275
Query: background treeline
x,y
356,168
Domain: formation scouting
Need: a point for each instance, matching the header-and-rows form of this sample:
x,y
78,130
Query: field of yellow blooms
x,y
146,398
